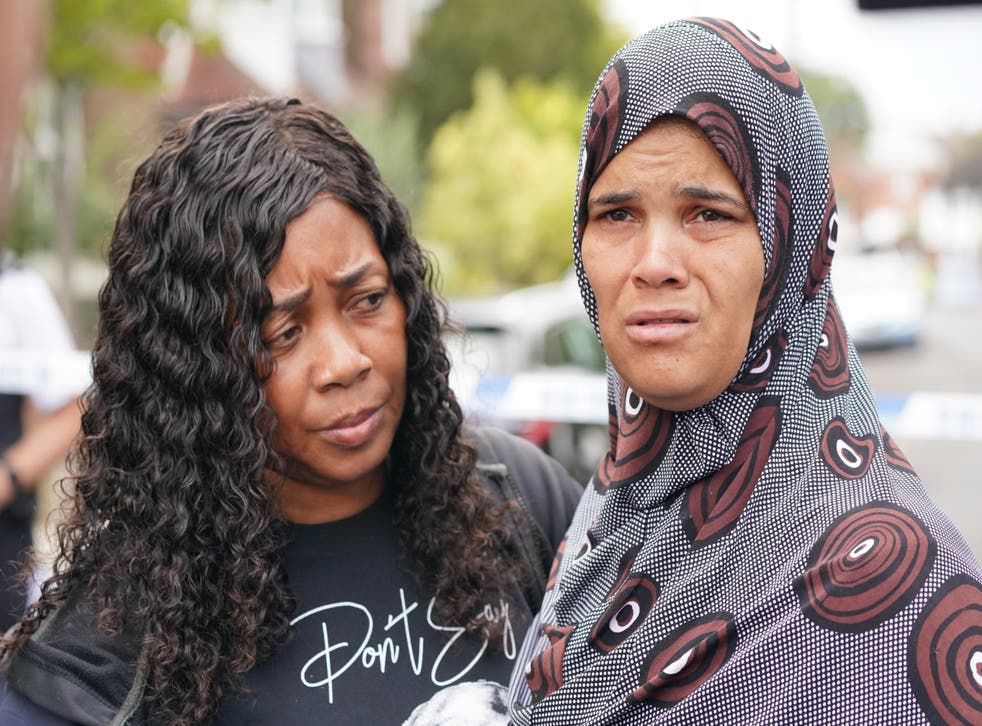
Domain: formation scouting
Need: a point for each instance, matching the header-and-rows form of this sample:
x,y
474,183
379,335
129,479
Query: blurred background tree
x,y
846,122
65,201
545,40
841,108
497,113
497,207
392,139
477,133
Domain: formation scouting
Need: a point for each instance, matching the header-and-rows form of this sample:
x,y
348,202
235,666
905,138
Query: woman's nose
x,y
659,258
338,358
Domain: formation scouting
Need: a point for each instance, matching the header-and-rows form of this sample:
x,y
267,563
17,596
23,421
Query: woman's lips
x,y
659,326
353,431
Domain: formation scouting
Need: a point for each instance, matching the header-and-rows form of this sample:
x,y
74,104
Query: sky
x,y
919,71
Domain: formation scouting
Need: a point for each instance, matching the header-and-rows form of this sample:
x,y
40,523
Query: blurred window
x,y
573,343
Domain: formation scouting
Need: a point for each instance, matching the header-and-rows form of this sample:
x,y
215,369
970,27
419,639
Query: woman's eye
x,y
373,300
617,215
284,337
711,215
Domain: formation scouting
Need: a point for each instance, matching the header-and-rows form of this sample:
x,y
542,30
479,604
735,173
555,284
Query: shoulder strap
x,y
530,539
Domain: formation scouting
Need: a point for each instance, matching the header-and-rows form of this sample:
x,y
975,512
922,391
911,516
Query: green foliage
x,y
89,39
498,206
108,167
391,140
97,43
845,118
30,224
91,44
542,39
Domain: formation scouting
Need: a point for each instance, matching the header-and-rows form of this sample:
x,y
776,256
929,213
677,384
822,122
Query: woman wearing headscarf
x,y
754,547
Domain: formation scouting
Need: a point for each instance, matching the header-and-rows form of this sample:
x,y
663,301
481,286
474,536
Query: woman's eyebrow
x,y
710,196
613,198
292,301
342,279
350,277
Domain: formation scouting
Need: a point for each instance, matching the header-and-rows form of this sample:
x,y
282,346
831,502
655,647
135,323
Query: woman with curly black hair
x,y
276,515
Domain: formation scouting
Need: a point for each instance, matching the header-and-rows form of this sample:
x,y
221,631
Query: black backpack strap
x,y
529,538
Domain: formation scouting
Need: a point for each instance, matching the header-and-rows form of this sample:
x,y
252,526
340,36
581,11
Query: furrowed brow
x,y
711,196
351,277
613,199
291,302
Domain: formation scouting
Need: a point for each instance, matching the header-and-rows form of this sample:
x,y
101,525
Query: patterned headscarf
x,y
768,557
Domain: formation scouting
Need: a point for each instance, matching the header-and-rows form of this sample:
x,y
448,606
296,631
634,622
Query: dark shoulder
x,y
17,710
551,493
74,669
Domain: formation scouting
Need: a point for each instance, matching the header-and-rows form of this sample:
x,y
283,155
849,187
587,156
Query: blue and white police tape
x,y
932,415
561,395
581,397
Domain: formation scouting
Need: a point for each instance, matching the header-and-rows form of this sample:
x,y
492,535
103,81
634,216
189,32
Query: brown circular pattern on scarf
x,y
895,457
762,369
685,660
606,117
632,603
866,568
727,132
601,477
556,562
829,375
818,269
544,672
642,442
612,426
762,56
624,568
780,250
944,654
633,596
713,505
587,547
846,455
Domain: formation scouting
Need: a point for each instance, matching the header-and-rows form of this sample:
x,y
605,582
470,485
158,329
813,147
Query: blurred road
x,y
948,359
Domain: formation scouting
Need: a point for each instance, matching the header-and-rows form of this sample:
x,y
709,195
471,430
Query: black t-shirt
x,y
366,647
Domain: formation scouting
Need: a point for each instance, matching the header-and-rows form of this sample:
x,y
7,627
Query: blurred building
x,y
341,52
20,22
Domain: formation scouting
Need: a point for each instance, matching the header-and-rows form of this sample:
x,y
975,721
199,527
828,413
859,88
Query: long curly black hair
x,y
171,531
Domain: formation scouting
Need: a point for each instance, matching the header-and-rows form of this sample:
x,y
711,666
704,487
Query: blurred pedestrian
x,y
36,426
278,516
754,548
